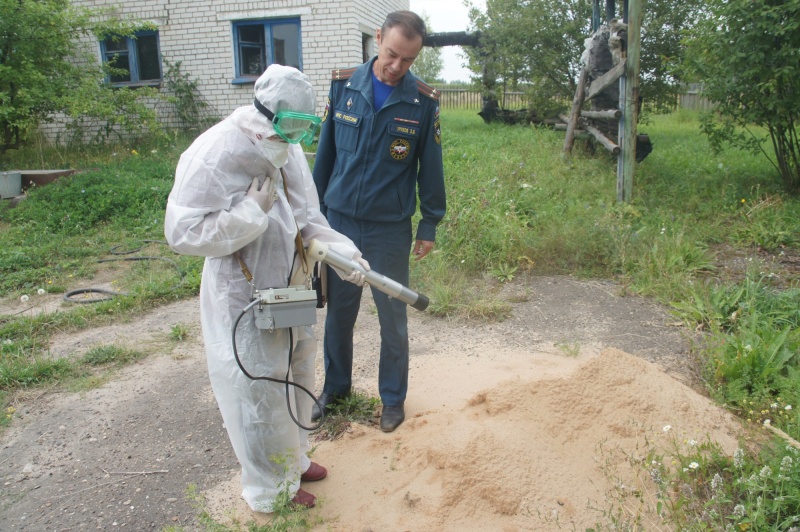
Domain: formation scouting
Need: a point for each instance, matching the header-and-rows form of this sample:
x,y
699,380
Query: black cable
x,y
285,381
112,294
113,252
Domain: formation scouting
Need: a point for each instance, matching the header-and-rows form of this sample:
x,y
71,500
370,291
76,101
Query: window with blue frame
x,y
137,61
260,43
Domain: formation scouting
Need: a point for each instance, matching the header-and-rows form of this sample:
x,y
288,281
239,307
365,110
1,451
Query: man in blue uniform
x,y
379,148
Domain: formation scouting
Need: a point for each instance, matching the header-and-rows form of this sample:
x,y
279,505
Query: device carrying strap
x,y
319,278
298,240
243,266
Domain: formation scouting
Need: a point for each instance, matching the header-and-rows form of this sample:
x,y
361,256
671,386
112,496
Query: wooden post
x,y
604,81
629,86
577,103
610,114
603,140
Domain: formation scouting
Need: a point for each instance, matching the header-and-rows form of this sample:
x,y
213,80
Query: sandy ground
x,y
539,422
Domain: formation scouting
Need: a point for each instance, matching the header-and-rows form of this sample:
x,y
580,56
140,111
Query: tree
x,y
429,63
537,45
745,52
44,70
534,45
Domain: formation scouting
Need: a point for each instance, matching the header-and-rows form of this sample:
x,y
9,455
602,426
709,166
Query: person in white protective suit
x,y
229,199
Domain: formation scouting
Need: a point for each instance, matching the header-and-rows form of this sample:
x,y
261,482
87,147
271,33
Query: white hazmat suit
x,y
210,214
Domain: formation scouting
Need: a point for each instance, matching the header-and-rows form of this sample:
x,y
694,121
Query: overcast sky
x,y
448,15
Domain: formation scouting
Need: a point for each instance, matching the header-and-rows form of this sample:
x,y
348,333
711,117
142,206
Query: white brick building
x,y
225,44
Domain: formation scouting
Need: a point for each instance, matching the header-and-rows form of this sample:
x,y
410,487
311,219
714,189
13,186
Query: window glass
x,y
259,44
251,34
149,64
118,44
251,61
135,60
286,45
120,62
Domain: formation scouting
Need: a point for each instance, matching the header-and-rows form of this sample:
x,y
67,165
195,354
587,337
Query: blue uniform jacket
x,y
370,164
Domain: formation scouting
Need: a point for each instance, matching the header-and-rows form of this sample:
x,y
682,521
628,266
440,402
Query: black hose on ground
x,y
110,293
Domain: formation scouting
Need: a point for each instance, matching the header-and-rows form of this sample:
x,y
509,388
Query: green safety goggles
x,y
291,126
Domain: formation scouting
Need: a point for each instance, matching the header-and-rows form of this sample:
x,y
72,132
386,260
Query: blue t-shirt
x,y
380,91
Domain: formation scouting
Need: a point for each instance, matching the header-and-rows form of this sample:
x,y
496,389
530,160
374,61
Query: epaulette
x,y
342,73
427,90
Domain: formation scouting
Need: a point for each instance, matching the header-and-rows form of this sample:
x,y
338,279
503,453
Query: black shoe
x,y
391,417
327,400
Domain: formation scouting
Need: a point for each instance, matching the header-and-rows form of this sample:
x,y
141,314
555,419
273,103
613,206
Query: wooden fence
x,y
693,99
468,99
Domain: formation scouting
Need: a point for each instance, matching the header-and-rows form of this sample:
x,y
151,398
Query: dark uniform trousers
x,y
386,246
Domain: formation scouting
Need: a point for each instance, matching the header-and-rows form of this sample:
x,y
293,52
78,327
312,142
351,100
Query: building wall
x,y
199,34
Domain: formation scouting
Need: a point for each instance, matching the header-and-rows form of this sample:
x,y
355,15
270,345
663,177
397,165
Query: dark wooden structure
x,y
613,83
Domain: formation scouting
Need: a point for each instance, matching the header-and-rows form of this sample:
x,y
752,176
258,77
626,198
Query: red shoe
x,y
304,498
314,472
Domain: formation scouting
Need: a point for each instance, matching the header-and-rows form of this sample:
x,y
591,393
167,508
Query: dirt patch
x,y
511,425
780,268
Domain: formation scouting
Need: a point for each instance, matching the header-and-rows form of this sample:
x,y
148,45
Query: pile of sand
x,y
517,441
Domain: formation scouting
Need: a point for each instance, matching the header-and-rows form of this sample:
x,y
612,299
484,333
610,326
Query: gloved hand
x,y
264,195
356,277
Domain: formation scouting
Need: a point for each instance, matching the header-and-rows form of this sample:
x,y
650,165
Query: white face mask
x,y
276,151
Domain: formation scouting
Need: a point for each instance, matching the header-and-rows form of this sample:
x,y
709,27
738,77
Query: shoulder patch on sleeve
x,y
342,73
427,90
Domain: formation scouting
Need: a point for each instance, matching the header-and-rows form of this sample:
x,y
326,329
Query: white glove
x,y
264,195
356,277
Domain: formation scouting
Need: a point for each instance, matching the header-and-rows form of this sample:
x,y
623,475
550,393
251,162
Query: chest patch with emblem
x,y
399,149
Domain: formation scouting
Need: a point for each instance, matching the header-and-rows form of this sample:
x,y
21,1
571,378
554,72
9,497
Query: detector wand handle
x,y
321,252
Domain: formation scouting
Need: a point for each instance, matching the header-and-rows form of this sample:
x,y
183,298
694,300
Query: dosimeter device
x,y
296,306
321,252
278,308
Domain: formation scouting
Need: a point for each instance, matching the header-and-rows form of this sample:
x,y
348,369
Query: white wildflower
x,y
667,428
765,472
767,422
692,443
738,457
655,474
694,465
786,464
716,482
41,291
787,407
739,511
24,298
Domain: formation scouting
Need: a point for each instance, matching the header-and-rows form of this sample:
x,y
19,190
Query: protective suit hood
x,y
279,88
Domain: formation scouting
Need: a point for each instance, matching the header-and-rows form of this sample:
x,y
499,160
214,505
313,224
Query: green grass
x,y
355,408
285,517
516,207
